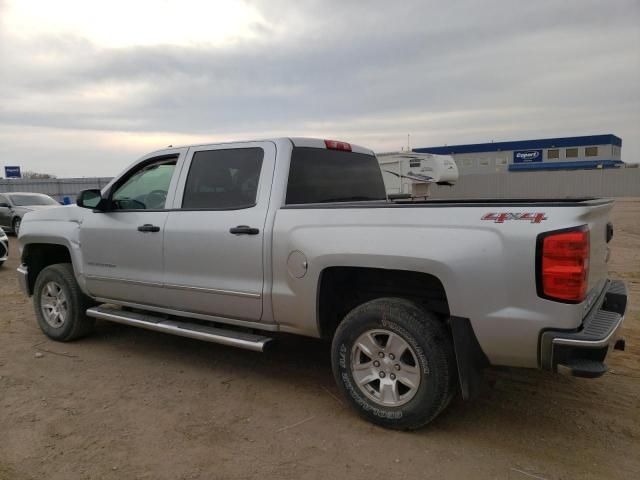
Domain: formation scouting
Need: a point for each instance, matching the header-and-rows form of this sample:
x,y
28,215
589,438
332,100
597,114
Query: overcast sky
x,y
86,87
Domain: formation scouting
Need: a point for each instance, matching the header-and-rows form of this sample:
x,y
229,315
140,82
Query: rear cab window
x,y
319,175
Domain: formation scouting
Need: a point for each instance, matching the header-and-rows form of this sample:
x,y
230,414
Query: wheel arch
x,y
38,256
342,288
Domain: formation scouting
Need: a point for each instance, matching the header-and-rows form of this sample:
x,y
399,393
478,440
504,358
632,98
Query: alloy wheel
x,y
385,367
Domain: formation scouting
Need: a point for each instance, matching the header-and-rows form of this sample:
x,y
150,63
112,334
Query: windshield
x,y
30,200
320,175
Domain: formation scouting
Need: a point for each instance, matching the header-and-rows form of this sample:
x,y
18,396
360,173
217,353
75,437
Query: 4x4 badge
x,y
533,217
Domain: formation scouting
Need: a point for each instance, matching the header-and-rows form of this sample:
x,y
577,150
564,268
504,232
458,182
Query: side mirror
x,y
90,199
4,205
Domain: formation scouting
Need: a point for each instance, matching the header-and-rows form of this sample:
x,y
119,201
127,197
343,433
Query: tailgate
x,y
600,231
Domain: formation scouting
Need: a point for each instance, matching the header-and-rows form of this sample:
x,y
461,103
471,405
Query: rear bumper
x,y
582,352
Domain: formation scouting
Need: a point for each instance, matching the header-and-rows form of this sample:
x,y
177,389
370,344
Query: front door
x,y
214,234
122,247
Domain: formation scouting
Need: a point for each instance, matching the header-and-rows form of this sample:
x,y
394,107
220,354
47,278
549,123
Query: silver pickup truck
x,y
234,242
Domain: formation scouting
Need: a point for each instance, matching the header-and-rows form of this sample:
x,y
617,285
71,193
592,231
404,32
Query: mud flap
x,y
470,358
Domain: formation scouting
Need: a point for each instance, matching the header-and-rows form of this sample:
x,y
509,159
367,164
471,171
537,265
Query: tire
x,y
413,385
17,222
56,286
16,225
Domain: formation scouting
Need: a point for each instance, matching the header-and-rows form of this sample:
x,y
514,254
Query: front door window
x,y
146,189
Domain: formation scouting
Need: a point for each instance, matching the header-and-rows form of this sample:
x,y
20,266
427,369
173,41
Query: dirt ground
x,y
133,404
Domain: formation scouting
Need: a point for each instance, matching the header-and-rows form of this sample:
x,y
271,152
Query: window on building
x,y
501,161
572,153
468,162
553,154
591,152
484,162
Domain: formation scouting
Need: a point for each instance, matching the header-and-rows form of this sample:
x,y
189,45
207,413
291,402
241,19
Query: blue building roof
x,y
587,140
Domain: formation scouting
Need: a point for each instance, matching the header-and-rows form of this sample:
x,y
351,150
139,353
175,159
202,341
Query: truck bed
x,y
481,202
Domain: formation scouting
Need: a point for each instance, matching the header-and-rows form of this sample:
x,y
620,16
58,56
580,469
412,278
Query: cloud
x,y
468,72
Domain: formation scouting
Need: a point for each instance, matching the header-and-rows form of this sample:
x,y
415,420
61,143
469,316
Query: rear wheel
x,y
394,362
16,225
60,305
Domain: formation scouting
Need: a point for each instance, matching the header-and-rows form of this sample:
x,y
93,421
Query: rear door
x,y
213,252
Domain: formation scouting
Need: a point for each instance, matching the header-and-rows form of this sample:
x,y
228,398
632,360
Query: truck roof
x,y
321,143
296,141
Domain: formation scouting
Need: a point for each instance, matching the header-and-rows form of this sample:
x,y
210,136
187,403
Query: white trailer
x,y
412,174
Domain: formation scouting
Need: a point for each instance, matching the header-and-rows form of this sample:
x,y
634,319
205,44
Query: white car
x,y
4,247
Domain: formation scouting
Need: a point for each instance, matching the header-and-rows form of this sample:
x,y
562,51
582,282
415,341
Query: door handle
x,y
147,227
244,230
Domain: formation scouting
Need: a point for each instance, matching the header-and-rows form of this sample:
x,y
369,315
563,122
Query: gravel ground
x,y
128,403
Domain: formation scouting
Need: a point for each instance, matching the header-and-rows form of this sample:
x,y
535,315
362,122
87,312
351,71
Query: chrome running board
x,y
232,338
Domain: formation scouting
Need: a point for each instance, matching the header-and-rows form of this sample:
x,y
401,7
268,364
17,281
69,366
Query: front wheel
x,y
394,363
60,305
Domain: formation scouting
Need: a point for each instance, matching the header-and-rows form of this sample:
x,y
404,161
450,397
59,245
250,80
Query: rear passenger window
x,y
223,179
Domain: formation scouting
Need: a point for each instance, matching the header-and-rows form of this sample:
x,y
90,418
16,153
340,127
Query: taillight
x,y
336,145
563,265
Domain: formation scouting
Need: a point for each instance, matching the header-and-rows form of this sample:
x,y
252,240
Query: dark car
x,y
14,205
